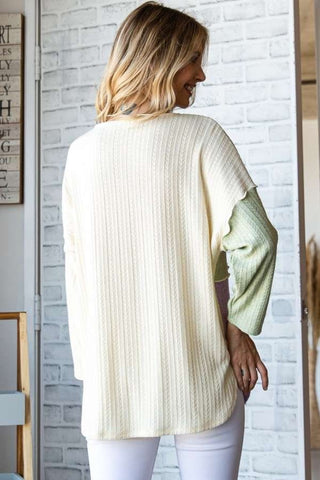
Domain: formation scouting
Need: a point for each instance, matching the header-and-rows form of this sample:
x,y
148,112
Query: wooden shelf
x,y
10,476
12,408
15,405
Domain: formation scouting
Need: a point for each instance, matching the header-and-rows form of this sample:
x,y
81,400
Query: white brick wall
x,y
248,89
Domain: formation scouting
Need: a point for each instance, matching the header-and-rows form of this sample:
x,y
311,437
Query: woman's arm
x,y
73,292
252,241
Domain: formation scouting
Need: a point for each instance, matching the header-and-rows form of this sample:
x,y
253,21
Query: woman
x,y
151,201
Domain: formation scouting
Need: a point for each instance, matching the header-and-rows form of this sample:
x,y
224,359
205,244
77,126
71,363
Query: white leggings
x,y
209,455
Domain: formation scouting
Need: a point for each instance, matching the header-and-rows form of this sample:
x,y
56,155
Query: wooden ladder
x,y
15,406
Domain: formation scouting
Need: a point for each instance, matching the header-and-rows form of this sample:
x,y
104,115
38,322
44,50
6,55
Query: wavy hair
x,y
151,45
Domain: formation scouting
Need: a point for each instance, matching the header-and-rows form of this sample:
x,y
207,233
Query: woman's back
x,y
145,209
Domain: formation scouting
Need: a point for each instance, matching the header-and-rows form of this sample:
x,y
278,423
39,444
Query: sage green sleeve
x,y
252,244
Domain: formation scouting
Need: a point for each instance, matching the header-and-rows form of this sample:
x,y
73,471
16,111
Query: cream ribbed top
x,y
146,209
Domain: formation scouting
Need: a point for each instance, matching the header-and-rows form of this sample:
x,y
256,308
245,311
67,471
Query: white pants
x,y
209,455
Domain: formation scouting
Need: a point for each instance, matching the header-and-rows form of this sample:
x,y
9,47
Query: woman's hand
x,y
244,356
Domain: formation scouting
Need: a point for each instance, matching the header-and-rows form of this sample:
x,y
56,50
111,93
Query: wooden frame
x,y
11,108
24,432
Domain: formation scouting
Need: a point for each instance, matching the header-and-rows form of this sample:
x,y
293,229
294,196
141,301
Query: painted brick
x,y
264,442
287,397
207,16
72,413
278,7
62,473
58,5
50,60
276,197
79,56
267,71
51,331
286,374
87,115
65,333
53,454
282,218
286,351
246,94
52,193
80,17
60,39
57,351
55,156
52,414
97,34
241,52
280,91
76,456
55,274
286,263
279,47
267,419
260,397
282,285
260,176
51,373
264,112
248,91
56,313
226,33
275,464
89,74
51,137
52,293
286,242
77,94
50,175
68,374
60,117
209,95
51,98
279,133
282,175
267,28
226,115
244,10
61,77
49,22
115,12
51,254
282,307
62,393
269,154
288,443
224,74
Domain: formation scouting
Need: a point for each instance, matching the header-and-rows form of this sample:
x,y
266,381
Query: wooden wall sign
x,y
11,107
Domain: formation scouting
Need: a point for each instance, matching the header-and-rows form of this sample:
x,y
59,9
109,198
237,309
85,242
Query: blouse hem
x,y
175,431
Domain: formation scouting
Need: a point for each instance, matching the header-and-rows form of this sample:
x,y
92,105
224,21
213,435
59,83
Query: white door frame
x,y
302,363
32,203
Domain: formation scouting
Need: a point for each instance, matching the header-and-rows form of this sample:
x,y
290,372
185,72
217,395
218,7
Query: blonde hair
x,y
151,45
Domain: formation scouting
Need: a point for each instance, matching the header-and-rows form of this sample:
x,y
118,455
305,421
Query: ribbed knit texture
x,y
145,208
252,246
